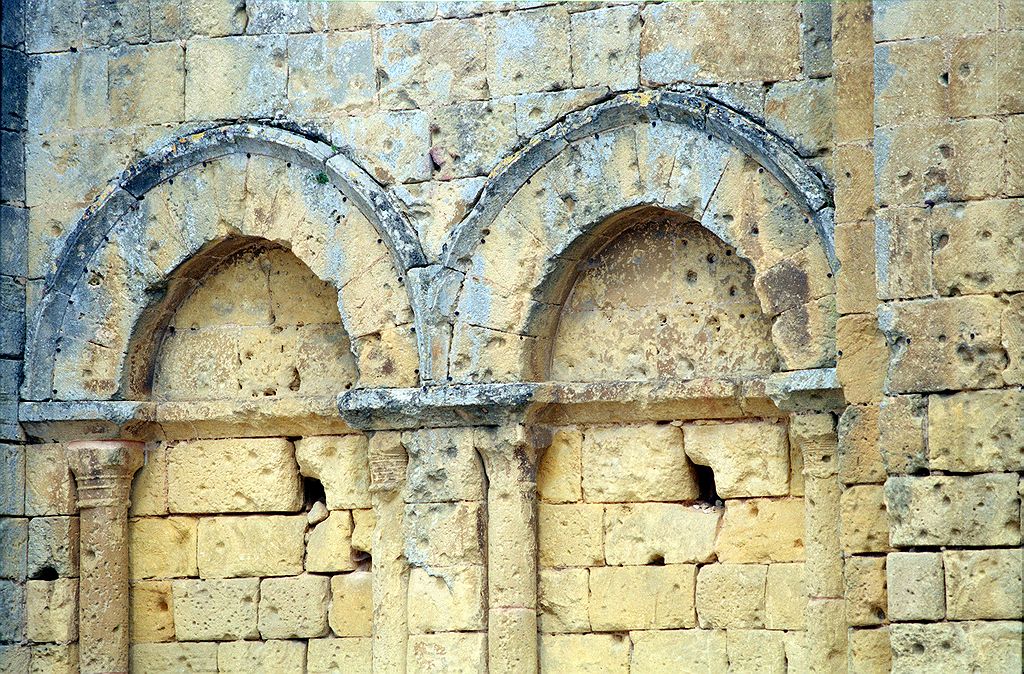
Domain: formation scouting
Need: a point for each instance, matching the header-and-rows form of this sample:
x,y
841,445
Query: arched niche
x,y
258,324
136,254
550,207
663,299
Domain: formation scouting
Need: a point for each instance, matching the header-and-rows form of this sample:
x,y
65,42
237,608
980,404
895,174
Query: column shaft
x,y
103,472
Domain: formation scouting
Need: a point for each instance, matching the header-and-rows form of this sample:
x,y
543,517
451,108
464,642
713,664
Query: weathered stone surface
x,y
351,612
584,653
560,473
696,43
748,458
526,51
330,72
162,547
953,510
863,524
908,85
570,534
244,475
235,77
1013,339
329,547
803,113
147,84
863,358
53,547
338,655
915,586
257,545
643,533
606,48
465,138
636,463
978,431
49,484
983,584
152,611
12,617
444,534
52,610
446,599
443,466
14,541
239,657
55,658
216,610
433,62
341,464
731,595
149,488
756,651
364,523
448,652
678,651
987,646
869,650
972,247
785,597
902,422
12,480
294,608
866,600
642,597
189,657
762,530
564,600
860,458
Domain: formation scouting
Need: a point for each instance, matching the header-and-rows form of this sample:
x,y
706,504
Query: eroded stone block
x,y
748,458
731,595
257,545
215,610
642,597
243,475
642,533
294,608
351,613
636,463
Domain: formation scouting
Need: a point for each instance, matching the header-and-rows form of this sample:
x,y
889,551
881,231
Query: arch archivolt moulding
x,y
172,216
489,302
507,266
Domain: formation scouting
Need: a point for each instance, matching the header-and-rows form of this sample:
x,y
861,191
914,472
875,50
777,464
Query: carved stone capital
x,y
104,470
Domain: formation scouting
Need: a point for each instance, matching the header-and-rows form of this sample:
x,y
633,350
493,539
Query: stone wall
x,y
511,336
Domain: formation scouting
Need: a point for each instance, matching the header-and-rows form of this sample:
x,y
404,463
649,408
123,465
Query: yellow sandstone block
x,y
351,613
642,597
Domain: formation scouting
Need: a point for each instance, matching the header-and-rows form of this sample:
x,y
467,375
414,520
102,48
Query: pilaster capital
x,y
103,470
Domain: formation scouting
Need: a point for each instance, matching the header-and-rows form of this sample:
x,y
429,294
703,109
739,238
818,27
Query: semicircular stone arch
x,y
148,242
570,193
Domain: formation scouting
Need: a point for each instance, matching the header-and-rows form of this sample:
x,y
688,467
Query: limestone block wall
x,y
648,563
512,336
243,560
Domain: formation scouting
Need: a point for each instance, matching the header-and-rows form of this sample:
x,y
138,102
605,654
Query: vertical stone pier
x,y
103,471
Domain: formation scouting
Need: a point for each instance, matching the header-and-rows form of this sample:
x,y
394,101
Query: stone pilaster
x,y
103,470
388,460
511,463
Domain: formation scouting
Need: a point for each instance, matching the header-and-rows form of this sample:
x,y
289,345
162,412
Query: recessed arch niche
x,y
663,298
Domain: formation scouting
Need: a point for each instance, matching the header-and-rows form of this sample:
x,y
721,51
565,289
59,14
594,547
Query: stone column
x,y
103,471
388,462
511,464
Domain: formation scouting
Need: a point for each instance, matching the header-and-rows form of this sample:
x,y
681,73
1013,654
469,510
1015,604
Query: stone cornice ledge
x,y
447,405
598,402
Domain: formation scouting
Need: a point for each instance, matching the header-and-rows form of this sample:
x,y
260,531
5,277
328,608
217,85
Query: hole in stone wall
x,y
45,573
656,560
706,484
312,492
